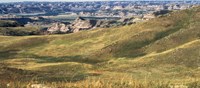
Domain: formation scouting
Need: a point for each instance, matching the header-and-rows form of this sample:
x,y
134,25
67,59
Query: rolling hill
x,y
158,53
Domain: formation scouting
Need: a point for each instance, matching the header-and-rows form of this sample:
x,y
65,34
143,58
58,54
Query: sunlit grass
x,y
160,53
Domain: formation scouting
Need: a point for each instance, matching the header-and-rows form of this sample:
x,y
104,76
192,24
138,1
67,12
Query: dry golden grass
x,y
159,53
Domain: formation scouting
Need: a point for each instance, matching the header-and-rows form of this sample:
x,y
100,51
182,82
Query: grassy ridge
x,y
158,53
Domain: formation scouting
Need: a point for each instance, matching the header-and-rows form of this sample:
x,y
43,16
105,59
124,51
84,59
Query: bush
x,y
19,31
4,23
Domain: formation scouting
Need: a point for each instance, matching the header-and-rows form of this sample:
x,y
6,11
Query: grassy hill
x,y
159,53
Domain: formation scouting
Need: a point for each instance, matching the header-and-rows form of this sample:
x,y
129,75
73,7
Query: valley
x,y
158,53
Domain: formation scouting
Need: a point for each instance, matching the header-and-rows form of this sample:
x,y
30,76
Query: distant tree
x,y
162,12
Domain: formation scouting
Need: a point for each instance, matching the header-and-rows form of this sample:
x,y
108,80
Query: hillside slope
x,y
166,48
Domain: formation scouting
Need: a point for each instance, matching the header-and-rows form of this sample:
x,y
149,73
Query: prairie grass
x,y
160,53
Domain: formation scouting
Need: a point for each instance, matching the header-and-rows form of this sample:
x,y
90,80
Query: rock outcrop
x,y
85,24
58,28
79,24
82,24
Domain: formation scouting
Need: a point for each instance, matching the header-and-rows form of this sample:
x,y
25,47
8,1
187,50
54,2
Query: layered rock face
x,y
77,25
84,24
58,28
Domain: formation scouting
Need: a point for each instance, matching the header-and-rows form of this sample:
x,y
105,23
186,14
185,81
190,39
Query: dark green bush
x,y
5,23
19,31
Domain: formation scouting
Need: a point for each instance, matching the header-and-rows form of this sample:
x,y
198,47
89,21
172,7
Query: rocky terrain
x,y
41,26
77,25
85,24
158,53
158,48
98,8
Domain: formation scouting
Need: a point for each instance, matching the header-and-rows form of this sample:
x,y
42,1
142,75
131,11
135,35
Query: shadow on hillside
x,y
132,48
8,73
14,74
51,74
52,59
73,76
8,54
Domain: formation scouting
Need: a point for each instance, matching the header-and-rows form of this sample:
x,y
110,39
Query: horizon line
x,y
92,1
